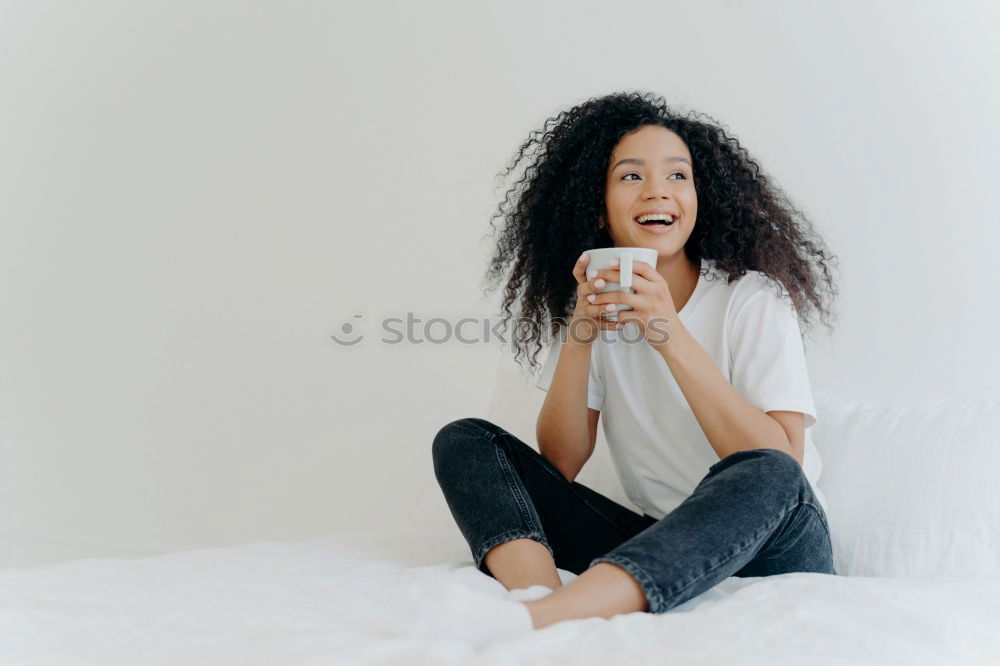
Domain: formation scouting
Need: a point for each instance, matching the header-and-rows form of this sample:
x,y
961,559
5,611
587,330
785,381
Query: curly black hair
x,y
745,221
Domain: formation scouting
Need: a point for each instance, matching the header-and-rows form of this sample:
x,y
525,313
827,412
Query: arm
x,y
729,422
567,429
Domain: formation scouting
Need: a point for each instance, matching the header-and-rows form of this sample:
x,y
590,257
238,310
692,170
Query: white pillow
x,y
912,488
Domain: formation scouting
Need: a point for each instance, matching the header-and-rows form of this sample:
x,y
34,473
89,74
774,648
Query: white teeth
x,y
655,216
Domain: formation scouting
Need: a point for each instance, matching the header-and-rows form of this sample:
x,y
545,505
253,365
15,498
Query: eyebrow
x,y
633,160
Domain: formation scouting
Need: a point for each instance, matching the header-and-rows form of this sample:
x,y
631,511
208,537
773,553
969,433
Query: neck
x,y
681,275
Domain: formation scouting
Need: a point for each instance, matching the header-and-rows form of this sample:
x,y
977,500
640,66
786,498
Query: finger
x,y
625,316
580,268
645,271
590,286
602,299
599,297
596,280
596,311
610,324
601,319
639,283
608,274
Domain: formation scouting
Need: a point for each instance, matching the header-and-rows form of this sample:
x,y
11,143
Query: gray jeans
x,y
754,514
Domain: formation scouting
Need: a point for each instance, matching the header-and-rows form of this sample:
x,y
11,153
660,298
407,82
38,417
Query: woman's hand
x,y
588,319
652,305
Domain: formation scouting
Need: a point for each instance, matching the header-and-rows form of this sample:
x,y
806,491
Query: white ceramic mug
x,y
601,257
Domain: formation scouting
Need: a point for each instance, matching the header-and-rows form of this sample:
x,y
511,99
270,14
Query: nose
x,y
654,188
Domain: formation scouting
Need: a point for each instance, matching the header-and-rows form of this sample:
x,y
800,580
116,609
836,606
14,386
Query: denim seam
x,y
648,585
798,506
819,513
515,486
534,530
510,536
465,424
512,479
657,601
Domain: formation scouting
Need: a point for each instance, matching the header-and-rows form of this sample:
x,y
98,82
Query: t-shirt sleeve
x,y
595,384
767,358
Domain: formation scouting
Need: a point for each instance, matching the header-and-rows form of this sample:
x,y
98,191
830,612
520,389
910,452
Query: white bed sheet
x,y
310,603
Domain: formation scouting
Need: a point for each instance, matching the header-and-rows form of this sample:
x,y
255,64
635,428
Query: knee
x,y
778,467
457,433
781,469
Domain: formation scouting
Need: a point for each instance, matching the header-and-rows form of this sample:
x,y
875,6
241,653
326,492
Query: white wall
x,y
195,195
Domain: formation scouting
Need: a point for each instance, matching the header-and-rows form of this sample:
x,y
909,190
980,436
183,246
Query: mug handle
x,y
625,284
625,266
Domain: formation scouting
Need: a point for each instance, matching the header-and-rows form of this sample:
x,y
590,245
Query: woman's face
x,y
650,171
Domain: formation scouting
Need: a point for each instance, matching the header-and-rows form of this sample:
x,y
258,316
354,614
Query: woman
x,y
705,416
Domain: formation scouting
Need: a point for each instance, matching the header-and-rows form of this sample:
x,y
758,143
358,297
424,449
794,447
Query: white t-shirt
x,y
658,448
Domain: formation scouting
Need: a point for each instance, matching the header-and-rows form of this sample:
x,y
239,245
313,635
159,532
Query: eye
x,y
682,175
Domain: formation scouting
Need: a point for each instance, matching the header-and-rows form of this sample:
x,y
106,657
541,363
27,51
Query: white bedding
x,y
310,603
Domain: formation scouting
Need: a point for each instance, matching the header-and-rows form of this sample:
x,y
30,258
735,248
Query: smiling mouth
x,y
652,218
